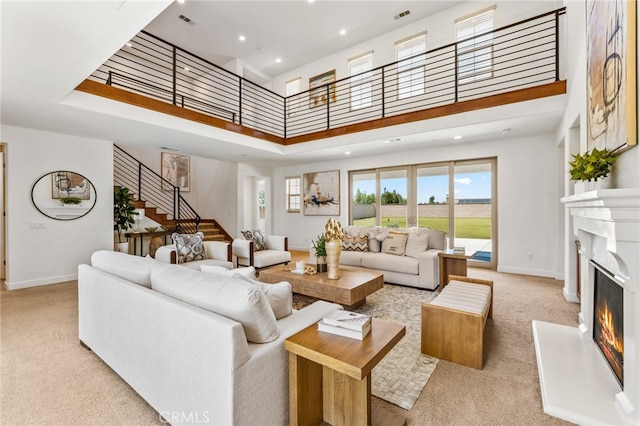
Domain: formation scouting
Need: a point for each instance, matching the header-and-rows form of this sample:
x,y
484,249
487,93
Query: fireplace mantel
x,y
576,382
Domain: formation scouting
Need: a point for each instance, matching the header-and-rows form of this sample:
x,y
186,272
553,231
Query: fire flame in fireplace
x,y
608,332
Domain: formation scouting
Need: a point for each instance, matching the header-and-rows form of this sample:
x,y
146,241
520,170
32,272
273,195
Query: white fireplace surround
x,y
576,382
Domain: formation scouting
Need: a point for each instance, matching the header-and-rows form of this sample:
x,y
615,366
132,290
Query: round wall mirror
x,y
63,195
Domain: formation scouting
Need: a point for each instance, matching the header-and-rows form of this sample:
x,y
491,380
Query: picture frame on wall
x,y
318,89
321,193
611,74
175,170
68,184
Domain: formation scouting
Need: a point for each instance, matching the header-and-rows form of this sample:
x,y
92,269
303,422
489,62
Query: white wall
x,y
626,172
51,255
527,197
440,31
213,183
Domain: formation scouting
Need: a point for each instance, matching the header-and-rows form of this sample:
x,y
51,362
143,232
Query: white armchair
x,y
277,252
216,253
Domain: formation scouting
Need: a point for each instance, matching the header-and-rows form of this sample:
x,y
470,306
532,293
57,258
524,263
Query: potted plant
x,y
70,200
123,215
591,166
321,253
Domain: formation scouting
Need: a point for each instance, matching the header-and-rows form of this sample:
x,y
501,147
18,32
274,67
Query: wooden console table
x,y
453,264
143,235
330,375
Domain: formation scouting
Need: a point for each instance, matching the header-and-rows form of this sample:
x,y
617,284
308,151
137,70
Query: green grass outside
x,y
466,227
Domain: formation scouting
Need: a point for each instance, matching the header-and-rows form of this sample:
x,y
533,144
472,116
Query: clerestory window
x,y
475,46
411,57
360,73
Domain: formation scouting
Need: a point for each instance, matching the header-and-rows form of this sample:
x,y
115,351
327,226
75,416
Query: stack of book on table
x,y
346,323
459,250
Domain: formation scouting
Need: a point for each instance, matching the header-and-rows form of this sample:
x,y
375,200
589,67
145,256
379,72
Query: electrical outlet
x,y
37,225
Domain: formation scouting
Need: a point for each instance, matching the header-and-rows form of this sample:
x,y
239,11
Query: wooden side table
x,y
453,264
330,375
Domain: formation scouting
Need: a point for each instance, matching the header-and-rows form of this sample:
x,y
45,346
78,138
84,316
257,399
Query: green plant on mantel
x,y
70,200
592,165
123,210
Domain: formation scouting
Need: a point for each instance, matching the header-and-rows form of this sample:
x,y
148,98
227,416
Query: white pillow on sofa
x,y
416,244
232,298
279,295
248,272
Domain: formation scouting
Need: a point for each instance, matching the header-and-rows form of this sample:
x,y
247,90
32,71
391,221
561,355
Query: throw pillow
x,y
259,241
395,243
416,244
351,243
279,295
248,272
374,245
188,246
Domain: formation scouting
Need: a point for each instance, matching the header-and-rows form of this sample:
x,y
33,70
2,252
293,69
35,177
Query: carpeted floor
x,y
47,378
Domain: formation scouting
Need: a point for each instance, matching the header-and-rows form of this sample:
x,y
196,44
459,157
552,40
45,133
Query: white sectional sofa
x,y
199,348
416,266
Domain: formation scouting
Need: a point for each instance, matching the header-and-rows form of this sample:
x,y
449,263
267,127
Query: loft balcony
x,y
515,63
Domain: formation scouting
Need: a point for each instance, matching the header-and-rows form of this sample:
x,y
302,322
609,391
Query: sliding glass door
x,y
457,197
473,209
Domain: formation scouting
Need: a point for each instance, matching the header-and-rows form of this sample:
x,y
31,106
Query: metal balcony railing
x,y
521,55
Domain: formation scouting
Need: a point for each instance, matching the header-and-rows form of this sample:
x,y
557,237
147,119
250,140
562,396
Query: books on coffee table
x,y
346,323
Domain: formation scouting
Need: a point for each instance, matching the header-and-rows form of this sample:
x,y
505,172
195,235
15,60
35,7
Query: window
x,y
475,46
360,73
410,66
420,195
292,185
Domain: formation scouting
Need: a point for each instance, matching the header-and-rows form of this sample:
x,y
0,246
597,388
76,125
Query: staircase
x,y
160,199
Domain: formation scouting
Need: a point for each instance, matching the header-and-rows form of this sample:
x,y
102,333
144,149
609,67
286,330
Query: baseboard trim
x,y
43,281
526,271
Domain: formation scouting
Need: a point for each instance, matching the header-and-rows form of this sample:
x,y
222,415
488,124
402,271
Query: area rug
x,y
404,371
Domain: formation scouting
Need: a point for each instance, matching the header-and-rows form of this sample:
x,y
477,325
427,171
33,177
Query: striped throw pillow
x,y
351,243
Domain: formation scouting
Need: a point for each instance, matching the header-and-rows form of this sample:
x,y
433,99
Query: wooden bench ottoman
x,y
453,323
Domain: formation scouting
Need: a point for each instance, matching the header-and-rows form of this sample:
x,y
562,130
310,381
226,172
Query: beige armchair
x,y
215,253
277,252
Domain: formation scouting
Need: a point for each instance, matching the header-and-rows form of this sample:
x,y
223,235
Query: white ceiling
x,y
49,47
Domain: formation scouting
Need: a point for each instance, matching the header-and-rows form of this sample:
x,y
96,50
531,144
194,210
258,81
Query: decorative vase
x,y
321,264
121,247
333,247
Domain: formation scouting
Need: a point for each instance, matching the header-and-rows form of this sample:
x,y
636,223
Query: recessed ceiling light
x,y
310,1
343,31
278,60
387,141
347,153
180,1
129,44
186,68
457,137
241,37
505,131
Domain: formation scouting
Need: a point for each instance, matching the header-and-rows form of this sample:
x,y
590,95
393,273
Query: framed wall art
x,y
321,193
611,74
69,184
318,90
175,170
